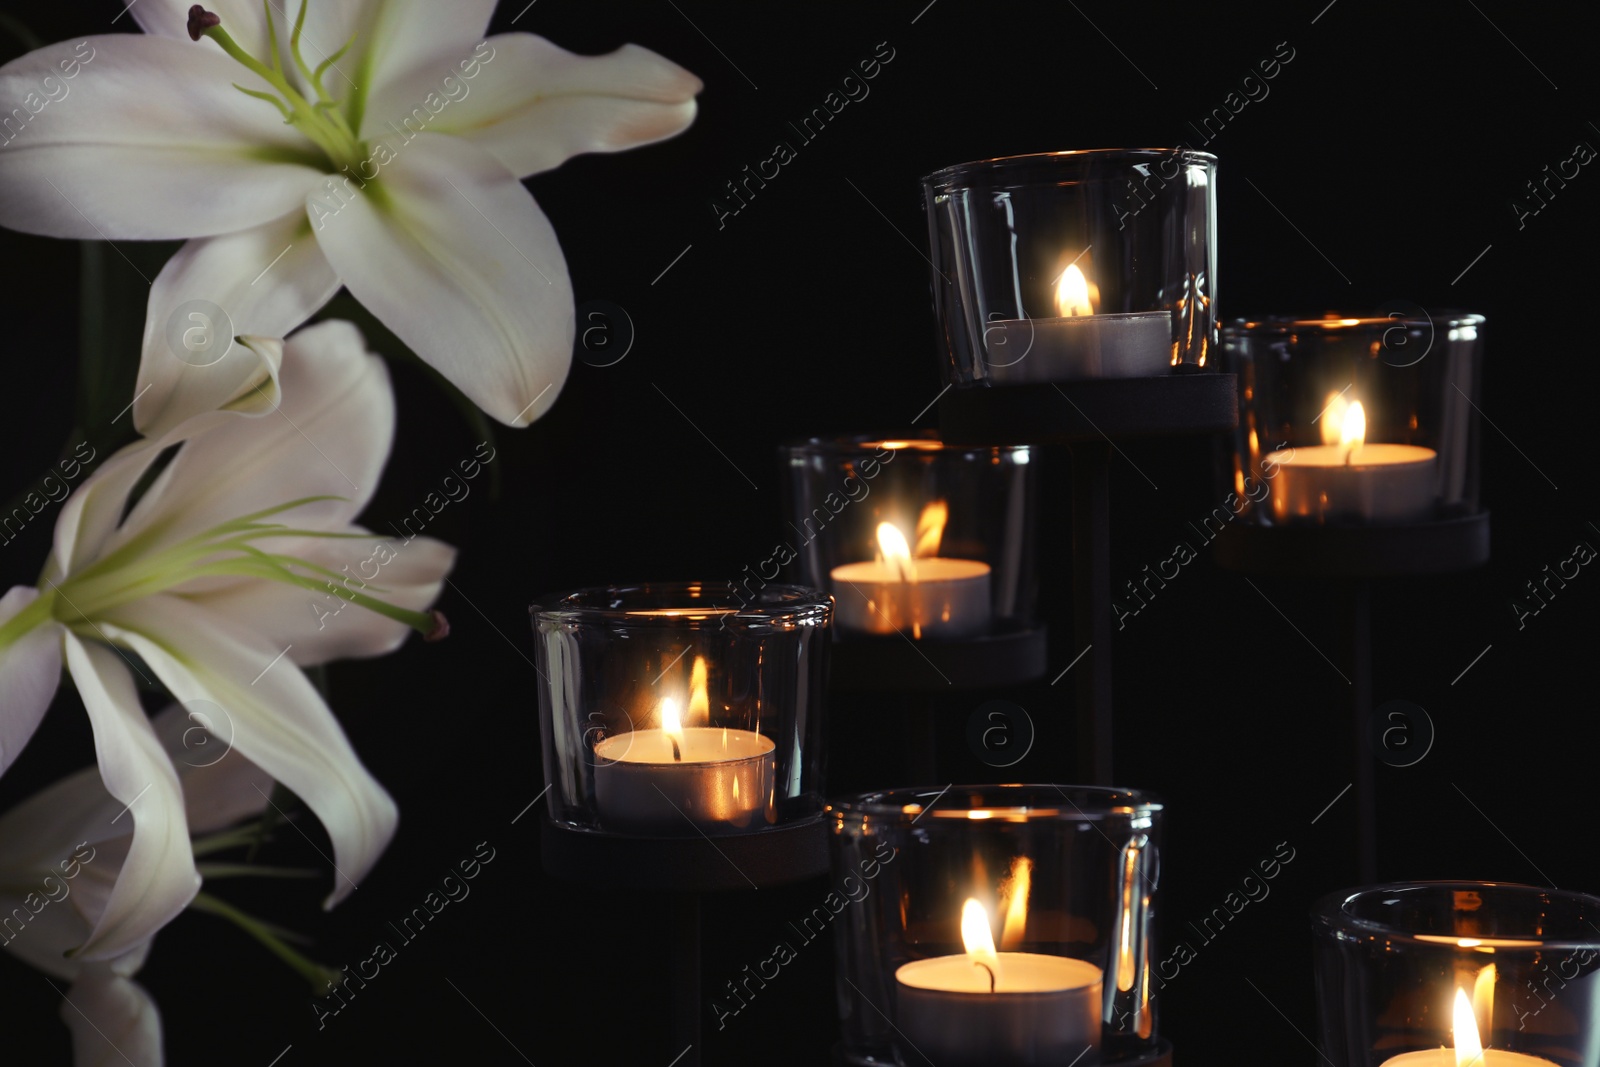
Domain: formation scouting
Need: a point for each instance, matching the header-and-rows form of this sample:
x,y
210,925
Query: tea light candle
x,y
675,781
999,1009
1347,479
1468,1051
928,596
1080,343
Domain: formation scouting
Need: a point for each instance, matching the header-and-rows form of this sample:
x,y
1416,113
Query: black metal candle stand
x,y
781,854
896,665
681,871
1160,1056
1349,559
919,673
1088,417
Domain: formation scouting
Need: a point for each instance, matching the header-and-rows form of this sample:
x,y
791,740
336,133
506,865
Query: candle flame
x,y
930,528
699,704
896,552
1332,419
1014,894
1072,293
1469,1050
672,725
978,940
1353,427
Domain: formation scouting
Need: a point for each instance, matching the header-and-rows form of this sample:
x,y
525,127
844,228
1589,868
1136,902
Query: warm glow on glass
x,y
683,613
1489,943
1469,1050
1126,971
1072,294
699,704
977,939
896,552
930,528
1483,997
1014,893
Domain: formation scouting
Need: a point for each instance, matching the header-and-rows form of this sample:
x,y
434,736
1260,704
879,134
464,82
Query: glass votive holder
x,y
663,714
911,536
1355,420
1002,926
1425,974
1069,265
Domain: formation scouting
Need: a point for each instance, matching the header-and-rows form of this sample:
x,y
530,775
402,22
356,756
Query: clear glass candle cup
x,y
957,558
1063,266
665,713
1364,419
1417,974
1064,879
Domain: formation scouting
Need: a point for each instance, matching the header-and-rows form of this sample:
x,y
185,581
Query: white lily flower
x,y
380,147
61,852
223,606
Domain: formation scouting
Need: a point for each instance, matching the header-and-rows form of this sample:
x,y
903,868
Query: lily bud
x,y
441,627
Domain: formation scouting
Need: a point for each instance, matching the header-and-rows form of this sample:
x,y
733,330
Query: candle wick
x,y
986,967
676,754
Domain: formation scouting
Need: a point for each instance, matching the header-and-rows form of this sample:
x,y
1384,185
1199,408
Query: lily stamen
x,y
322,122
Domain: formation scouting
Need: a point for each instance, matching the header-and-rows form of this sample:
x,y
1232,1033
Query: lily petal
x,y
91,514
125,150
158,878
30,671
330,436
535,105
113,1020
278,721
218,790
263,281
391,37
52,931
245,21
319,627
451,253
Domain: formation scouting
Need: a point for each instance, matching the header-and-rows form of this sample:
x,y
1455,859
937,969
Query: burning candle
x,y
1469,1050
1078,343
1346,479
1000,1009
678,781
917,591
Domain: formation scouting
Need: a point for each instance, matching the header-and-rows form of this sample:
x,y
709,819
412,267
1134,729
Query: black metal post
x,y
1358,656
685,952
1091,606
920,729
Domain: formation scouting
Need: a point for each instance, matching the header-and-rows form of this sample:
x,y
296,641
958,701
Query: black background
x,y
1390,148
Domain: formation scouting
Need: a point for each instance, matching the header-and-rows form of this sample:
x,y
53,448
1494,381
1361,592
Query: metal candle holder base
x,y
789,852
1437,546
893,665
1161,1056
1092,410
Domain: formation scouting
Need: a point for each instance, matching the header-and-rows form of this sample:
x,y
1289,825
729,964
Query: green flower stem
x,y
320,976
212,871
221,842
